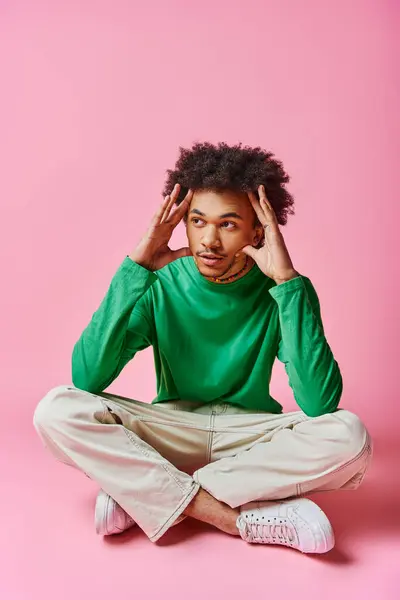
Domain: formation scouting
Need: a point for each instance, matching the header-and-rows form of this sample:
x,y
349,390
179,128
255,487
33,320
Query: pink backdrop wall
x,y
96,98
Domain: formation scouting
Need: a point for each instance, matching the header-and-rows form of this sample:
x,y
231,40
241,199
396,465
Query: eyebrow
x,y
224,216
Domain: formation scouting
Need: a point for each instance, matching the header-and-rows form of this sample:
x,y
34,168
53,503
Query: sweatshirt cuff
x,y
137,273
288,287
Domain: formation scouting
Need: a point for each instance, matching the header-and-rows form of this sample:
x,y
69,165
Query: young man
x,y
214,444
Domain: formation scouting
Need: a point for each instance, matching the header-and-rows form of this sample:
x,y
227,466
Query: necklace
x,y
231,277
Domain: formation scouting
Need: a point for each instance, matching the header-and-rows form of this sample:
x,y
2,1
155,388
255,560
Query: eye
x,y
196,221
228,225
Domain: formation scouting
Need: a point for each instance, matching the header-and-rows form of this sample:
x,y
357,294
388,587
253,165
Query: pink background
x,y
96,99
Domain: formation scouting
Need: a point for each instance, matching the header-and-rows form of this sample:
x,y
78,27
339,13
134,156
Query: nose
x,y
210,237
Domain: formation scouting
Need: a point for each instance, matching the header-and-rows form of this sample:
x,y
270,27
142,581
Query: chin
x,y
211,271
217,270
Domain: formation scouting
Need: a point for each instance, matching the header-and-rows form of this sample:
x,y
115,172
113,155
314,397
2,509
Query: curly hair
x,y
239,168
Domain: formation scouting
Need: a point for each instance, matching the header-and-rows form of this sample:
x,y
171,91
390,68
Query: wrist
x,y
290,276
139,261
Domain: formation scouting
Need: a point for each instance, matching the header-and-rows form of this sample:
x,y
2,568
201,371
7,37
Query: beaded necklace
x,y
231,277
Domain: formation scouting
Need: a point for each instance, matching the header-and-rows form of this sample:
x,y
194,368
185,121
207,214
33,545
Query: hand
x,y
273,257
153,251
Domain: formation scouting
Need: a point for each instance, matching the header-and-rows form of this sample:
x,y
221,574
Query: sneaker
x,y
110,518
298,523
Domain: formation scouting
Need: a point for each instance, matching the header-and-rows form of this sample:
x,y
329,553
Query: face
x,y
219,225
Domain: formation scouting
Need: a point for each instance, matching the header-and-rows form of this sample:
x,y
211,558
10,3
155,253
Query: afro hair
x,y
239,168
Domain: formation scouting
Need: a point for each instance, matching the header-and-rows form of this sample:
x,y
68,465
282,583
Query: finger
x,y
265,203
178,214
182,209
271,222
173,199
262,194
189,195
257,207
250,251
161,210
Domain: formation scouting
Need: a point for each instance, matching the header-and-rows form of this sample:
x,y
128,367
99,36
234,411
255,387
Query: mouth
x,y
211,260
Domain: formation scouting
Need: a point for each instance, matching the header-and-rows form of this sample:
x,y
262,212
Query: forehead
x,y
216,203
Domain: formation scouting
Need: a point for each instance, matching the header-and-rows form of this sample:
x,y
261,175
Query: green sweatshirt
x,y
211,342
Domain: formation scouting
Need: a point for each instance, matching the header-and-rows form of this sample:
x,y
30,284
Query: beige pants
x,y
152,459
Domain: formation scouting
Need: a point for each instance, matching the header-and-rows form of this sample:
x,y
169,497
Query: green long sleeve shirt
x,y
211,342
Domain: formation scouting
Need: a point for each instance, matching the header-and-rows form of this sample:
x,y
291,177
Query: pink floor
x,y
49,548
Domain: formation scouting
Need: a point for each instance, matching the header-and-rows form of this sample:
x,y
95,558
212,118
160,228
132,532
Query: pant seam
x,y
145,452
210,437
163,463
199,427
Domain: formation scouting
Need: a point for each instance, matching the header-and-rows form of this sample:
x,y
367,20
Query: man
x,y
213,445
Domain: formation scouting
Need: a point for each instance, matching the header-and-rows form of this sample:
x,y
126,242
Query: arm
x,y
117,330
120,327
314,374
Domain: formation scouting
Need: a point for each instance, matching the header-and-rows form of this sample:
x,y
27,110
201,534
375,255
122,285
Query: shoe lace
x,y
277,533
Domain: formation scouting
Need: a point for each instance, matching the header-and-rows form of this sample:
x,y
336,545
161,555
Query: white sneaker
x,y
298,523
109,517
